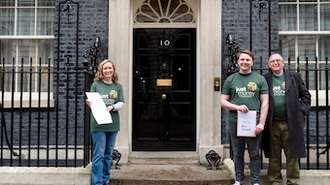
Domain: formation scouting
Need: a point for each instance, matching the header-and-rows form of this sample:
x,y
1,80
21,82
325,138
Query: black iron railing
x,y
43,117
37,129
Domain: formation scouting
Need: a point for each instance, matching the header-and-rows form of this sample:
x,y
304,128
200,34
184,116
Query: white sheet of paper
x,y
101,115
246,124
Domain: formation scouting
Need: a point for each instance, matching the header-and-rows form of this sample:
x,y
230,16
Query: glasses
x,y
276,60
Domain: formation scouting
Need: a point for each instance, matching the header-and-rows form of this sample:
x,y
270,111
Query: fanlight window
x,y
164,11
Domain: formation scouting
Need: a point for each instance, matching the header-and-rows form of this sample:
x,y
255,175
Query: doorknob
x,y
163,96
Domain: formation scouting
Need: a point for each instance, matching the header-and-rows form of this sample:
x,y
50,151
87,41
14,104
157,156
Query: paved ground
x,y
199,175
307,177
146,174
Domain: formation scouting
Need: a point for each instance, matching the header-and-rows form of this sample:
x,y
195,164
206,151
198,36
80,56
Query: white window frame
x,y
7,103
322,93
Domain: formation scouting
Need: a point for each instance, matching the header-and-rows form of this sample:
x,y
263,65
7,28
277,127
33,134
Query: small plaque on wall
x,y
164,82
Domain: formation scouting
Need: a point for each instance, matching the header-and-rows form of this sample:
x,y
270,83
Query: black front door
x,y
164,90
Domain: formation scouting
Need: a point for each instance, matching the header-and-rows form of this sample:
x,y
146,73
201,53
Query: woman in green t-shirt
x,y
104,135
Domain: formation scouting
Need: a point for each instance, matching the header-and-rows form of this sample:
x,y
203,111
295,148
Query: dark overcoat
x,y
297,100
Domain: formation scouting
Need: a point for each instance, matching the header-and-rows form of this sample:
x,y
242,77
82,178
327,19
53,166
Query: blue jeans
x,y
253,146
103,145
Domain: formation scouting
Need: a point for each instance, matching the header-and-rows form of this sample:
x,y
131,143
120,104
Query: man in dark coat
x,y
289,102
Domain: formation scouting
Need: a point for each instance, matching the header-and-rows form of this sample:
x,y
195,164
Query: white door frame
x,y
208,61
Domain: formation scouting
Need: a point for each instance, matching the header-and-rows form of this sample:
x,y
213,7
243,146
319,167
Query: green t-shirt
x,y
245,89
279,97
111,94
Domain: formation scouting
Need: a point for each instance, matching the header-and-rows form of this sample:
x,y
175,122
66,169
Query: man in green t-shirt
x,y
244,91
289,101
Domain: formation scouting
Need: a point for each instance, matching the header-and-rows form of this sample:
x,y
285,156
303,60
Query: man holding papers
x,y
105,99
245,95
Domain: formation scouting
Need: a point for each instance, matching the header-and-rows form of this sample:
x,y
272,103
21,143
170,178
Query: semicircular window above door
x,y
164,11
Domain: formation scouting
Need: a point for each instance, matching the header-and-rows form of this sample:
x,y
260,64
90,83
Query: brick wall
x,y
93,23
236,22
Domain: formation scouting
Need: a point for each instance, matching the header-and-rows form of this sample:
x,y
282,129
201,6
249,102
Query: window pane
x,y
26,80
292,65
26,50
325,17
26,2
7,77
287,47
325,0
185,18
324,45
7,3
308,17
7,17
288,18
302,70
45,22
45,51
25,22
287,0
323,79
307,0
46,3
180,12
306,46
310,73
44,80
8,50
146,15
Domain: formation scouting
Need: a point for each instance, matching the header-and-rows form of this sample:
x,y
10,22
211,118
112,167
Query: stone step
x,y
146,175
171,182
169,175
167,168
164,158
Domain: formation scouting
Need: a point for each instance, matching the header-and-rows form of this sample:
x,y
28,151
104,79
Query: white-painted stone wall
x,y
208,66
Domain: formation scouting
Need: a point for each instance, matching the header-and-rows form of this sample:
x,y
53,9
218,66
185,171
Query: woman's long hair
x,y
99,74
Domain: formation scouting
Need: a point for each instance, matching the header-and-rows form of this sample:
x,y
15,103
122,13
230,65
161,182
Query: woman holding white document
x,y
104,134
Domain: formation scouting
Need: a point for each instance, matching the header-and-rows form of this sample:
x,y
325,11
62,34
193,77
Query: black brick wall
x,y
236,21
93,23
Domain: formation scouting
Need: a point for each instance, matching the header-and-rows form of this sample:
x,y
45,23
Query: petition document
x,y
246,124
101,115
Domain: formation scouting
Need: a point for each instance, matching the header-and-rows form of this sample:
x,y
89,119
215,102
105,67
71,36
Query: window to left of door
x,y
26,48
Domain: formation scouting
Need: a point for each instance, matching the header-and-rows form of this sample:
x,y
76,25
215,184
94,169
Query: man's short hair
x,y
248,52
276,54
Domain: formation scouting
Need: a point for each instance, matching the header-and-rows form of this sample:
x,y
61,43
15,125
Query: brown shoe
x,y
106,184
